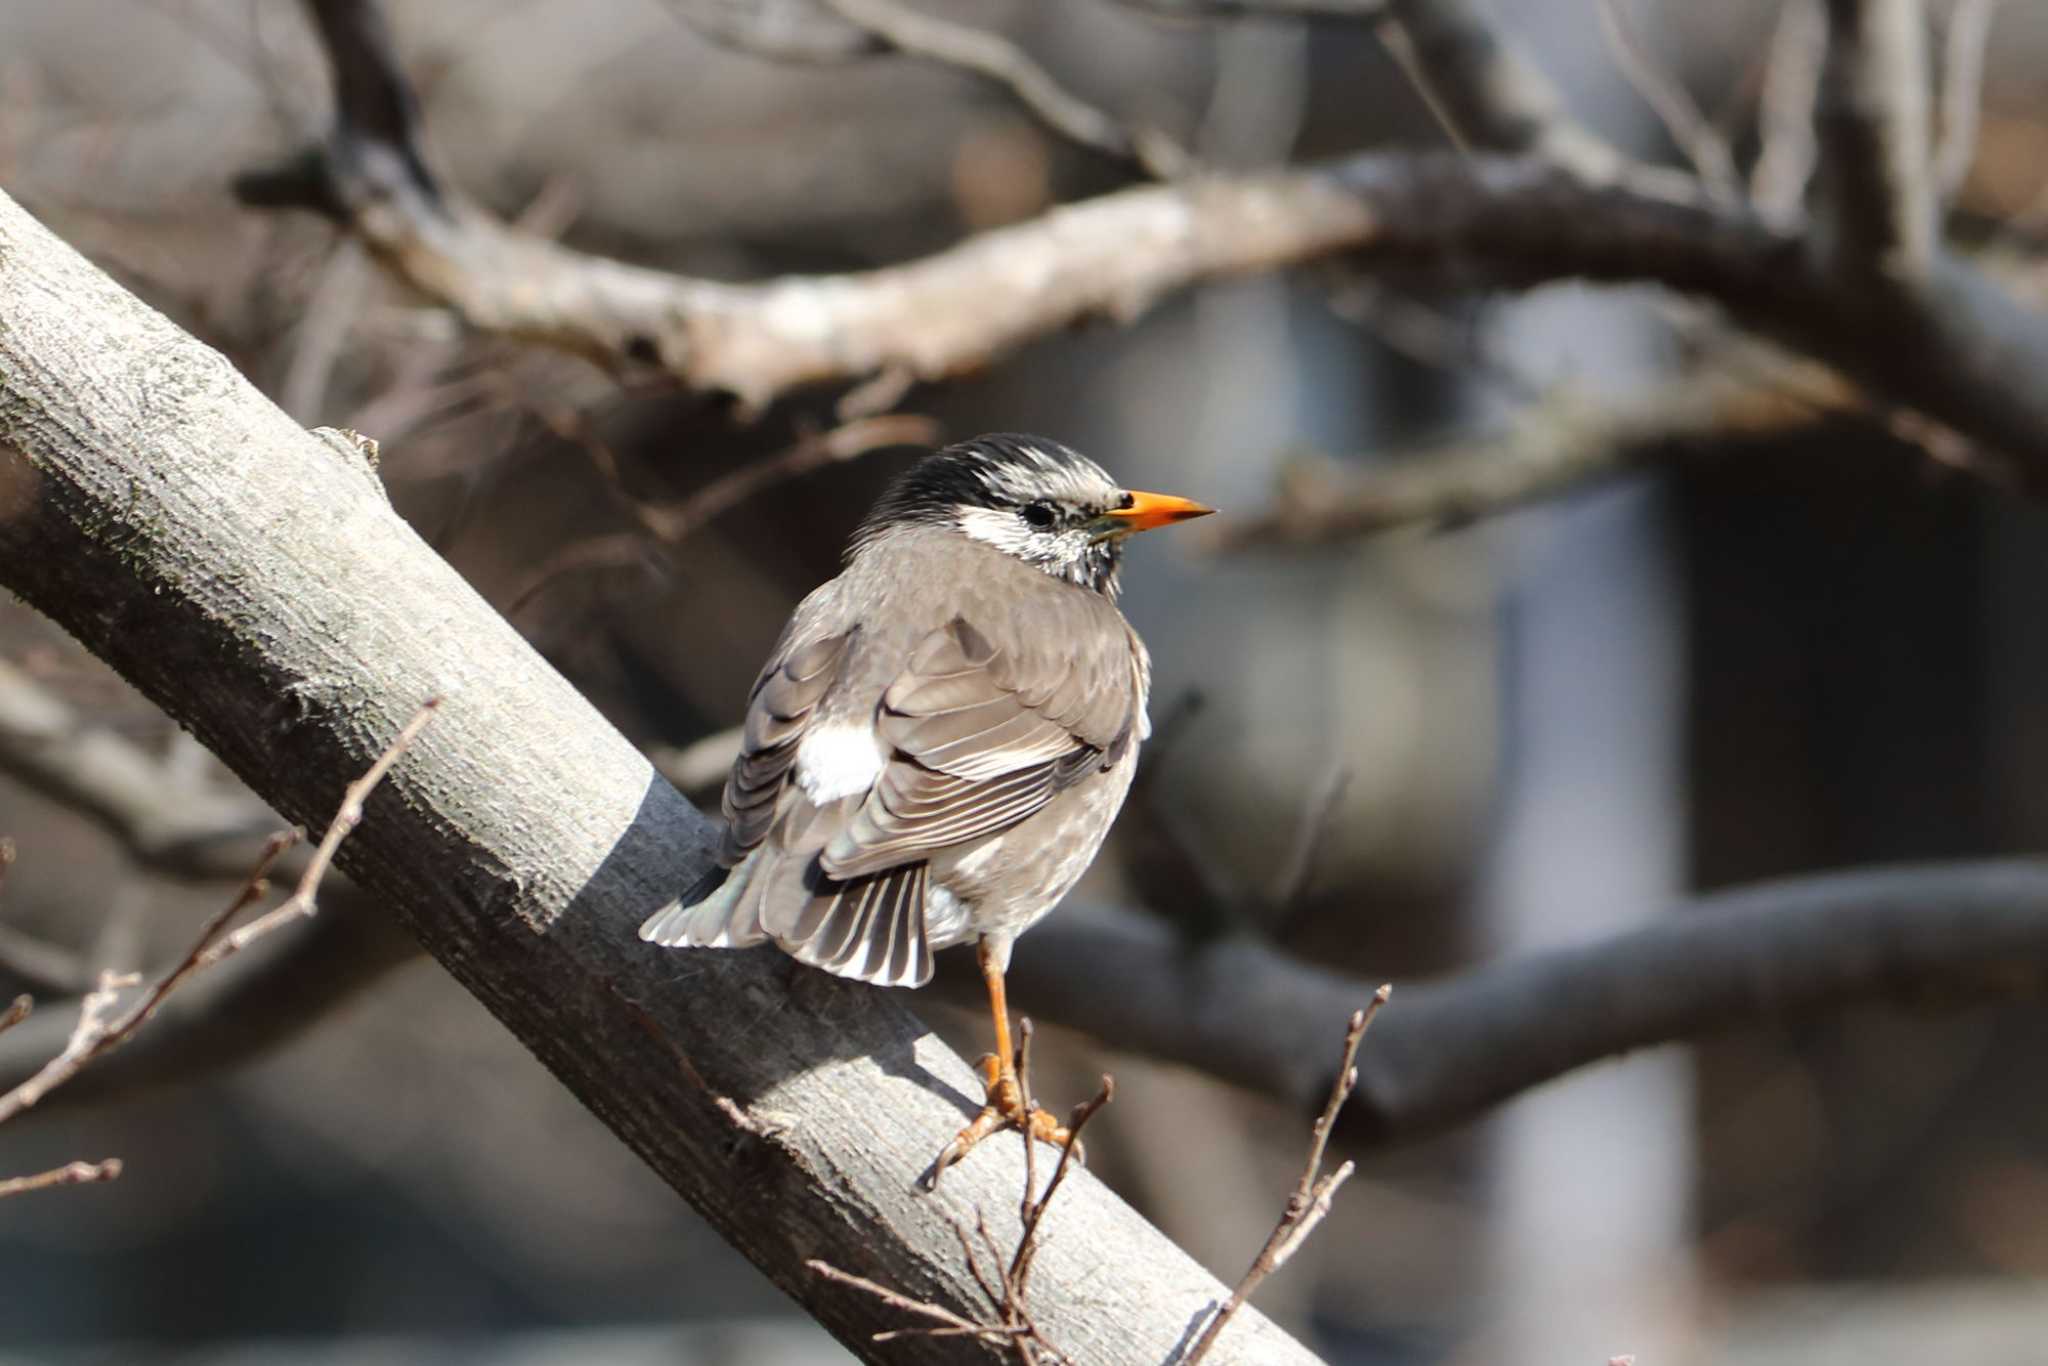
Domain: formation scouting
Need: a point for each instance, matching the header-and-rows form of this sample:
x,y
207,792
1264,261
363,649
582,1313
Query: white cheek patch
x,y
839,760
999,527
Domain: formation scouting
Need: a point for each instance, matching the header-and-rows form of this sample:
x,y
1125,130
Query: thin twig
x,y
777,31
1310,832
96,1033
1007,1291
1028,1241
668,524
1689,127
41,966
1777,185
1962,92
1312,1195
1026,1032
350,814
950,1321
994,57
16,1012
70,1174
813,451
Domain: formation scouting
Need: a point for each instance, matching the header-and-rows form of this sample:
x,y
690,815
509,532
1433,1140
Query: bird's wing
x,y
981,737
779,714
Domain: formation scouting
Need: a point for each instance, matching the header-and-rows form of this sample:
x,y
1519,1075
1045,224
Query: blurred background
x,y
1778,652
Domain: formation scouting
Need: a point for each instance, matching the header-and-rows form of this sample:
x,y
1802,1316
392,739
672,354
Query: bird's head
x,y
1034,499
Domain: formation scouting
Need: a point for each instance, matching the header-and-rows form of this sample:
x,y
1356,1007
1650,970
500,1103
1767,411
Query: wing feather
x,y
779,713
978,745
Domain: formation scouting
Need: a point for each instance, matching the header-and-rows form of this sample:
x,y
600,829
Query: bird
x,y
941,736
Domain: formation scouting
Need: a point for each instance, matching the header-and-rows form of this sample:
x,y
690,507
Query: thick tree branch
x,y
1954,934
1877,205
244,574
1957,347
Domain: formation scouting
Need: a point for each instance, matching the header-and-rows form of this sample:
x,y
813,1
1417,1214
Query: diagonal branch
x,y
523,838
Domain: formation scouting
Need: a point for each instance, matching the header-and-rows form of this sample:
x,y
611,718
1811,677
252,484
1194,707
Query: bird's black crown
x,y
1002,469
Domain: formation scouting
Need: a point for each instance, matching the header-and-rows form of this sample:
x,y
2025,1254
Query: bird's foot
x,y
1006,1109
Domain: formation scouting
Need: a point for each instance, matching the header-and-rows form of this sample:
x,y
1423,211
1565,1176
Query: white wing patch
x,y
842,759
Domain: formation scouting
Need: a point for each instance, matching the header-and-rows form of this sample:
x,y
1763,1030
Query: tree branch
x,y
1876,209
245,575
164,819
1962,92
1940,934
1958,348
1553,448
780,30
1493,97
1785,161
993,57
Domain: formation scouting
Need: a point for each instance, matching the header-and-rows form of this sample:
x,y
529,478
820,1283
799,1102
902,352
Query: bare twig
x,y
17,1011
1290,879
947,1319
779,30
993,57
1310,1202
1555,448
350,814
1694,133
1484,92
1019,1276
1777,184
1876,186
70,1174
1004,1281
813,451
668,524
700,767
1962,92
98,1031
164,819
47,968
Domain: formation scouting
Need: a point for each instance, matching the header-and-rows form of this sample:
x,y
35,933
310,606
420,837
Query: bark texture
x,y
252,579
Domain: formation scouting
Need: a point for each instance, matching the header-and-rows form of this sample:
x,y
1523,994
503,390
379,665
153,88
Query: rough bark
x,y
251,578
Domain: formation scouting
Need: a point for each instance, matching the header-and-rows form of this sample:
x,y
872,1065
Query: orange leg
x,y
1006,1107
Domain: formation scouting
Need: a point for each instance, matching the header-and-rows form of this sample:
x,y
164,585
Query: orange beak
x,y
1149,510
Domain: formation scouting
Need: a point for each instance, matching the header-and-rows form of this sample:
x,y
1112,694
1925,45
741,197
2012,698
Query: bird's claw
x,y
1005,1109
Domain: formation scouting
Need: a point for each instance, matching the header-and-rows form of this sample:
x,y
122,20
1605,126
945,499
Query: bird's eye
x,y
1038,514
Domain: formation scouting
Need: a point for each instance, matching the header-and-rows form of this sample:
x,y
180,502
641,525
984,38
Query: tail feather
x,y
870,928
717,913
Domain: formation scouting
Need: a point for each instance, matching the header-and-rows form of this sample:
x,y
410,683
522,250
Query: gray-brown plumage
x,y
944,732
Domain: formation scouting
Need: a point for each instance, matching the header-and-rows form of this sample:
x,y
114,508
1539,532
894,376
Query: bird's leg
x,y
1006,1107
